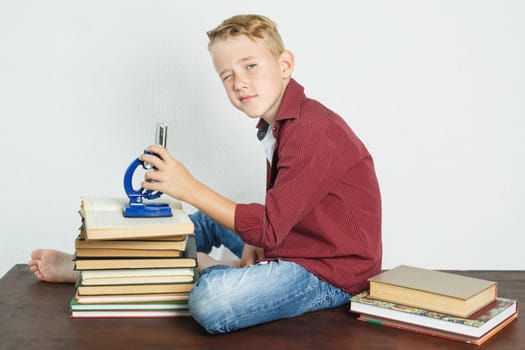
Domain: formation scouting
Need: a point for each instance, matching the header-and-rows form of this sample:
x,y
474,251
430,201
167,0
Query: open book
x,y
103,219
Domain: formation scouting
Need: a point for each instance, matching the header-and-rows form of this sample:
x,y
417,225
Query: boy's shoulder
x,y
297,106
310,120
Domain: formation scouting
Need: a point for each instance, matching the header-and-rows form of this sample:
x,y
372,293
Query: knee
x,y
204,310
199,307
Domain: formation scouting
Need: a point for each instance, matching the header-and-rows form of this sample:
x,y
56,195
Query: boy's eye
x,y
250,66
226,77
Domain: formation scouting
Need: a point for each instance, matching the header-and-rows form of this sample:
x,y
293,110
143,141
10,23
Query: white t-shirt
x,y
268,143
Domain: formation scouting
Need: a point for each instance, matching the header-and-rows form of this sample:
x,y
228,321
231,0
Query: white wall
x,y
436,90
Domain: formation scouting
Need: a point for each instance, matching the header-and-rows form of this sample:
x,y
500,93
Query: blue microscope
x,y
139,199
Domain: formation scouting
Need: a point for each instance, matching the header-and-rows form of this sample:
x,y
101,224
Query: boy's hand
x,y
251,254
170,177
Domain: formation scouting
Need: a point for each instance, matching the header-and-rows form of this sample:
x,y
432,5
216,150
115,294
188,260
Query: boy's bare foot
x,y
53,266
204,261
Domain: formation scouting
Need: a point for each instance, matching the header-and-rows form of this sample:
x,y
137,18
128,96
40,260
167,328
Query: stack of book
x,y
435,303
132,267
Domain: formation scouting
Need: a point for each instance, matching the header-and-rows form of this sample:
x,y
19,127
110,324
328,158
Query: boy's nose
x,y
239,83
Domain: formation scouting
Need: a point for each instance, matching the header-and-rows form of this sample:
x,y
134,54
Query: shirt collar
x,y
289,109
291,103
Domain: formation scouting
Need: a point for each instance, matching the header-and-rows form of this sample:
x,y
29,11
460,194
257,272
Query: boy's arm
x,y
173,179
310,164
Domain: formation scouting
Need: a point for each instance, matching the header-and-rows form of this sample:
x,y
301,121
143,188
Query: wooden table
x,y
35,315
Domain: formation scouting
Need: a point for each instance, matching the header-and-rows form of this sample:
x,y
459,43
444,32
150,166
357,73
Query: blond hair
x,y
255,27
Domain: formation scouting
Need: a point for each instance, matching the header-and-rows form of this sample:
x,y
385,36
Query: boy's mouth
x,y
246,98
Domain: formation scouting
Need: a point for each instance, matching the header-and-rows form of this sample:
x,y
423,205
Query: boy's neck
x,y
270,120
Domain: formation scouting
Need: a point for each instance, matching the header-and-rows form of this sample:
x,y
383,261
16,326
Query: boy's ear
x,y
287,62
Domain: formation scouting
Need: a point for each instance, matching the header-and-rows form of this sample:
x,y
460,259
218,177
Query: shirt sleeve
x,y
309,164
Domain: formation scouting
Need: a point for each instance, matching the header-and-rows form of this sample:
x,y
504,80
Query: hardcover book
x,y
161,288
104,263
188,259
130,298
129,313
154,305
433,290
137,276
436,332
174,243
126,253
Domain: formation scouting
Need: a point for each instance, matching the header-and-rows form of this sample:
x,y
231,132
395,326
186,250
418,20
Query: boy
x,y
317,238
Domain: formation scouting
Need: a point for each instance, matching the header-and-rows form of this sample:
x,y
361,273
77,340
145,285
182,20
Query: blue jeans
x,y
225,299
209,234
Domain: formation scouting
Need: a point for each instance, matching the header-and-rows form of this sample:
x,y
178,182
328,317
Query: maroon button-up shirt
x,y
323,205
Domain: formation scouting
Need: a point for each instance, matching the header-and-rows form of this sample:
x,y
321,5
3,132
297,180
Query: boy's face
x,y
254,79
